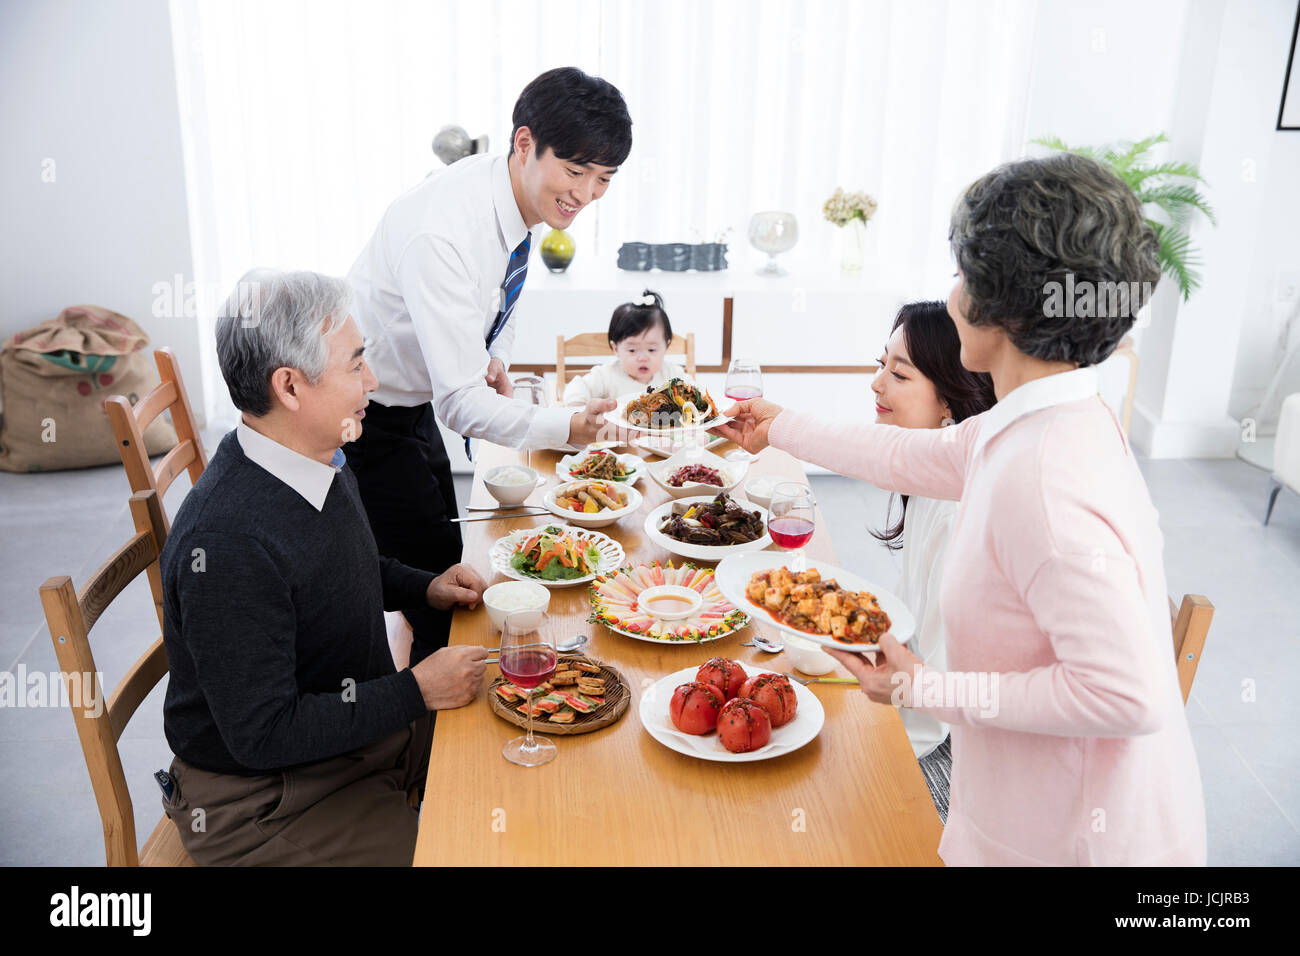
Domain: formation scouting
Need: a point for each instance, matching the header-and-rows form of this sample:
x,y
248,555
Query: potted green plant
x,y
1158,185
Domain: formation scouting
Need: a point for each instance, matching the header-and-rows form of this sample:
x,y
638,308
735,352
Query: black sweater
x,y
274,626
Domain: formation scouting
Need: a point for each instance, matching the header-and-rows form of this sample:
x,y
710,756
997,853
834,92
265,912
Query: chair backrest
x,y
70,616
1191,623
129,424
597,344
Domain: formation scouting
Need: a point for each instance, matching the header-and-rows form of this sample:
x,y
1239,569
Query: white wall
x,y
1209,74
1270,166
92,87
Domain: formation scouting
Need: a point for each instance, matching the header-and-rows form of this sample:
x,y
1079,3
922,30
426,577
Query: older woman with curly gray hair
x,y
1069,740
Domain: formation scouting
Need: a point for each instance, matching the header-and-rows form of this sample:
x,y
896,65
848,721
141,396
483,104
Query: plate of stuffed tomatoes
x,y
730,712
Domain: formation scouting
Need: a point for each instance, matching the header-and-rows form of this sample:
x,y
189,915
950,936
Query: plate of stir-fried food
x,y
825,604
592,504
677,406
600,465
708,527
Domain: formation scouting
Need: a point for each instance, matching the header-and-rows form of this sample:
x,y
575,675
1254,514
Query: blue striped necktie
x,y
516,272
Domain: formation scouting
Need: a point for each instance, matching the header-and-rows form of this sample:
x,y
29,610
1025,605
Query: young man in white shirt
x,y
435,291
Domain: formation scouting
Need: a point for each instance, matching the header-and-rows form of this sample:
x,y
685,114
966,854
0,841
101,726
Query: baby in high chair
x,y
639,336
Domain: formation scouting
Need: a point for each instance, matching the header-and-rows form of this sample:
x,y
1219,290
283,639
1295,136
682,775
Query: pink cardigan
x,y
1054,582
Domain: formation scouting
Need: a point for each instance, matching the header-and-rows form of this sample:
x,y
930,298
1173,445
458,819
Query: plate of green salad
x,y
555,555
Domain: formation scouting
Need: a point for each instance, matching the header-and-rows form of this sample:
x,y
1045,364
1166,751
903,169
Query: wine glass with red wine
x,y
793,520
744,381
527,659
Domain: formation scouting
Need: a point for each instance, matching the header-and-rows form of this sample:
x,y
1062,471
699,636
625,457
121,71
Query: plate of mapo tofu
x,y
825,604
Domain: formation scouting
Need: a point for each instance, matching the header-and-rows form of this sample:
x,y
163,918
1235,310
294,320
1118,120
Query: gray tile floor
x,y
67,523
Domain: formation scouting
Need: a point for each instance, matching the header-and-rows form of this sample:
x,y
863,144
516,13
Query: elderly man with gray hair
x,y
296,739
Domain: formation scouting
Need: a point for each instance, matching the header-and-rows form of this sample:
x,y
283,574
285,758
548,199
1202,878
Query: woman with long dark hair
x,y
922,384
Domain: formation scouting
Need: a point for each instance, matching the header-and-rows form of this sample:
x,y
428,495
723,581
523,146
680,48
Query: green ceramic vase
x,y
557,250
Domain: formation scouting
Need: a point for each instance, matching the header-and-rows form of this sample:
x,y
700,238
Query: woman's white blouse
x,y
926,529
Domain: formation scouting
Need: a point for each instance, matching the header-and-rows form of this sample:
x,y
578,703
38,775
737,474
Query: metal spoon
x,y
763,644
571,644
563,647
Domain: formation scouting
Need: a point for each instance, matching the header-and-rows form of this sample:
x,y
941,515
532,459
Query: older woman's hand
x,y
878,680
750,423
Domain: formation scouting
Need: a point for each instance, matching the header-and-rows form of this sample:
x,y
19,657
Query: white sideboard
x,y
816,332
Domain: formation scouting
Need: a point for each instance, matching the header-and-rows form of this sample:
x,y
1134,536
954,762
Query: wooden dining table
x,y
853,796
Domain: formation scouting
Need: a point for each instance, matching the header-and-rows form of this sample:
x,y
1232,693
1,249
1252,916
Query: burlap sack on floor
x,y
54,379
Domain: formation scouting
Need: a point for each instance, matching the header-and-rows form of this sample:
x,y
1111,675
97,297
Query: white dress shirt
x,y
307,476
927,526
1033,396
611,381
426,289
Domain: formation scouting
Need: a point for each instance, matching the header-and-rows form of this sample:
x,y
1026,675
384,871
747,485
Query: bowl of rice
x,y
511,484
511,596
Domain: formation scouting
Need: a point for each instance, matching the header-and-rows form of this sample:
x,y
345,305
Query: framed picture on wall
x,y
1288,112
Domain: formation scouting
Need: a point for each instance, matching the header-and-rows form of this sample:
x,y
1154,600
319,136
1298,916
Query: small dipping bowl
x,y
670,602
509,597
511,493
807,656
760,488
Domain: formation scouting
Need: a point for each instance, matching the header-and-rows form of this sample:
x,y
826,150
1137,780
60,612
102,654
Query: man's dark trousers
x,y
404,477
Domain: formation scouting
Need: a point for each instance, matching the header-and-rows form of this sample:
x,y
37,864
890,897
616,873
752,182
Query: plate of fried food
x,y
677,407
825,604
582,695
600,465
592,504
708,527
730,712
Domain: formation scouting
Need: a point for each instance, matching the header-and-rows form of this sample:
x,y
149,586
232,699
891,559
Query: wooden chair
x,y
1191,624
129,424
71,616
597,344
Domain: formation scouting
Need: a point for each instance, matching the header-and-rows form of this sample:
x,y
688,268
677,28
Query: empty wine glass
x,y
527,659
793,520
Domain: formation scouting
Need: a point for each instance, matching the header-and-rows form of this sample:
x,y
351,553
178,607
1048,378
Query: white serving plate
x,y
618,417
633,463
702,552
733,576
599,519
619,604
653,710
611,554
732,473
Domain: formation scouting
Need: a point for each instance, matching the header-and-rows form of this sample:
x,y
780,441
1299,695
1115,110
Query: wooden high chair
x,y
70,616
597,344
1191,624
129,424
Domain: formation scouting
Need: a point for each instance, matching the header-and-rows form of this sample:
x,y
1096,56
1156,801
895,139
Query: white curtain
x,y
303,120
